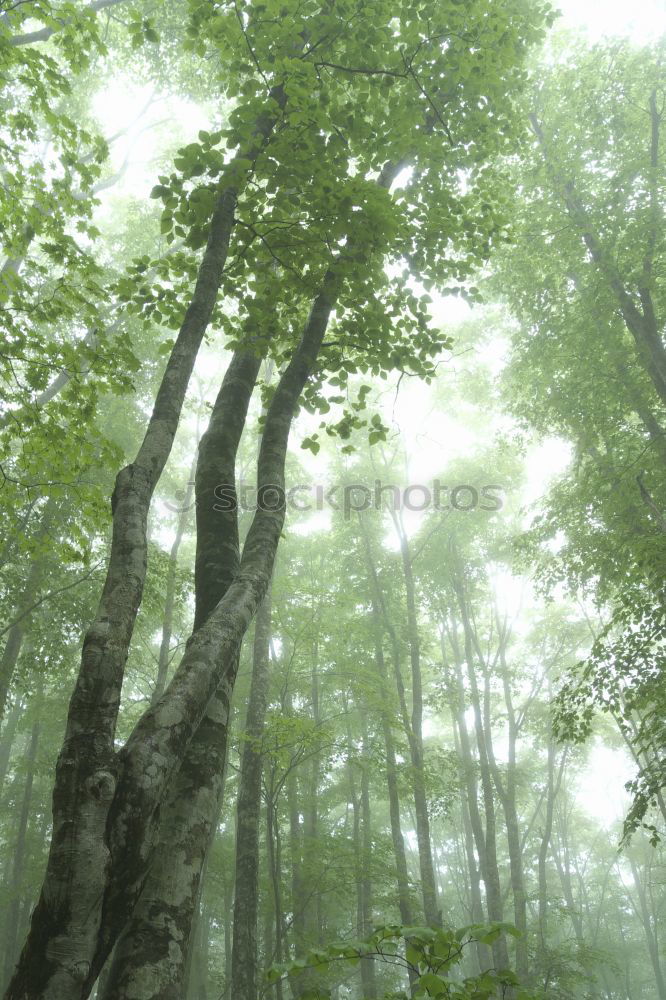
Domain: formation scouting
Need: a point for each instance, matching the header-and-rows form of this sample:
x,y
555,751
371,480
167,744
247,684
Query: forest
x,y
332,500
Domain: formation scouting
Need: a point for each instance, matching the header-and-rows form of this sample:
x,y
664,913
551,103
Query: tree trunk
x,y
16,633
170,592
402,877
275,867
649,922
20,850
486,844
431,909
476,902
7,740
368,978
244,954
506,789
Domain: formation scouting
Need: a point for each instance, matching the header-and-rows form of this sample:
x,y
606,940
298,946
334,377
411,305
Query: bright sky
x,y
641,20
430,443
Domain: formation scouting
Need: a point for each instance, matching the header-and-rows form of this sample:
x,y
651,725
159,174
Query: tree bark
x,y
170,593
244,959
20,851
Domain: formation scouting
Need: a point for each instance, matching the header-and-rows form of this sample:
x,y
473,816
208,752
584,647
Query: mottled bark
x,y
208,667
170,591
244,959
150,958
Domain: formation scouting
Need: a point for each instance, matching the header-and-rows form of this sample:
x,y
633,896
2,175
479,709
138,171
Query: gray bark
x,y
244,959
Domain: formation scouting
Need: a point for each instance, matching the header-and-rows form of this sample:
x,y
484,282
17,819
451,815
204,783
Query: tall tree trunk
x,y
400,857
150,958
170,591
228,902
244,954
648,919
17,632
486,843
633,294
506,789
431,909
197,988
312,904
552,791
20,850
275,868
474,874
368,978
7,740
